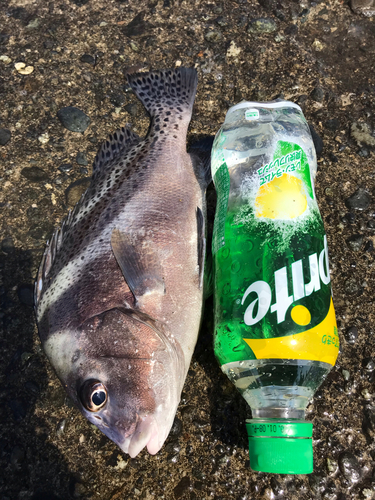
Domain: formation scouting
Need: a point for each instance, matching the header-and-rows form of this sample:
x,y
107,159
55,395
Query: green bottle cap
x,y
279,446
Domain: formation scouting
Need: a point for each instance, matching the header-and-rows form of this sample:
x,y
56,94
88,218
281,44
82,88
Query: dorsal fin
x,y
117,143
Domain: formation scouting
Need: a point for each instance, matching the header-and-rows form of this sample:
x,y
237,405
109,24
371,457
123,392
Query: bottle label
x,y
272,280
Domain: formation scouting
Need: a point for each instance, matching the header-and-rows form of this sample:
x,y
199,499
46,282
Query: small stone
x,y
351,335
355,242
7,245
182,487
65,167
73,119
363,153
213,36
350,467
131,108
22,69
60,429
233,52
317,140
261,25
352,287
34,174
134,46
44,138
362,134
33,24
117,99
102,24
364,7
333,124
74,192
5,59
318,45
81,159
291,30
317,94
83,171
26,294
360,200
5,136
41,231
369,247
86,58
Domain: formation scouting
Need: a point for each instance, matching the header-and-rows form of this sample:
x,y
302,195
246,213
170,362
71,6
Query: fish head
x,y
124,376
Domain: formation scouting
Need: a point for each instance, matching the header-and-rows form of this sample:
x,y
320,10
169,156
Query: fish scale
x,y
119,291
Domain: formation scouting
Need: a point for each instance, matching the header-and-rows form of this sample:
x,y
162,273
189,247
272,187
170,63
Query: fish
x,y
119,293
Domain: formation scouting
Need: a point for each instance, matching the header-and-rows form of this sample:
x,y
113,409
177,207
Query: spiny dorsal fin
x,y
117,143
139,263
171,88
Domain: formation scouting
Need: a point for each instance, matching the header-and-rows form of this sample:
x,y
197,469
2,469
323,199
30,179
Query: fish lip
x,y
146,434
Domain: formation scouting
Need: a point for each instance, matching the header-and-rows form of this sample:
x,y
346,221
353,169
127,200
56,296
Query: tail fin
x,y
171,89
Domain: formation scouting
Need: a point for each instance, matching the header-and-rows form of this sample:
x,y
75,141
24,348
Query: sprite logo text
x,y
319,273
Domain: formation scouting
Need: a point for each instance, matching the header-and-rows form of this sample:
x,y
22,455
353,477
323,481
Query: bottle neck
x,y
278,413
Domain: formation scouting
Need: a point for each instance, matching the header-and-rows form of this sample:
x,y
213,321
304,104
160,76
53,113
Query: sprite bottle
x,y
275,328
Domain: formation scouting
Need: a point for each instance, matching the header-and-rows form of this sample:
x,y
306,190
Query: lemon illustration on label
x,y
281,198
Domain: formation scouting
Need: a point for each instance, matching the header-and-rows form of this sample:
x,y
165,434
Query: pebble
x,y
86,58
7,245
332,124
262,25
355,242
317,140
26,294
351,334
360,200
352,287
131,108
60,428
34,174
22,69
83,171
317,94
318,45
213,36
350,467
74,192
44,138
81,159
361,133
182,487
5,136
41,231
117,99
65,167
5,59
73,119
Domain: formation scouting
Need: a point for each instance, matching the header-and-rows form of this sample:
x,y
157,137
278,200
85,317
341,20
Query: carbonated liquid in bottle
x,y
275,328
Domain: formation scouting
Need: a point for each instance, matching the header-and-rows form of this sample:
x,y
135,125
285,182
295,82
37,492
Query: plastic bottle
x,y
275,328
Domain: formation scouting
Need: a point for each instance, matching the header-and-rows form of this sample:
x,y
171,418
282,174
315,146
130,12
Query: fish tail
x,y
171,90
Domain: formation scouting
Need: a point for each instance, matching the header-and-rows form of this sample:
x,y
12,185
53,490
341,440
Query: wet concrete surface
x,y
76,53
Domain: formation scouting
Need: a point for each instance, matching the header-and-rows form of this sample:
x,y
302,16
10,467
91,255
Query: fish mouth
x,y
145,434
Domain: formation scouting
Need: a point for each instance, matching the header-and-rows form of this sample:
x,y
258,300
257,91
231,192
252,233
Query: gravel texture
x,y
319,54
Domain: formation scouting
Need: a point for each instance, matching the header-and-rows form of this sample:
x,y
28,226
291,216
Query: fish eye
x,y
93,395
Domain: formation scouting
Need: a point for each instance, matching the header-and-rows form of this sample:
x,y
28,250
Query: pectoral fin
x,y
139,263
